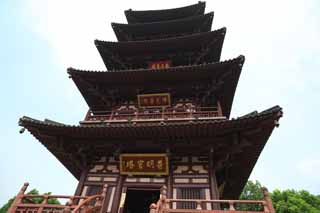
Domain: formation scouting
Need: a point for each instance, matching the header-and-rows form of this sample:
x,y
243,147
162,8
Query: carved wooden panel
x,y
190,169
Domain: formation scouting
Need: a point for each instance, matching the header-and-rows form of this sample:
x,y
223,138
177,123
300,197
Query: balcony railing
x,y
23,203
165,205
169,114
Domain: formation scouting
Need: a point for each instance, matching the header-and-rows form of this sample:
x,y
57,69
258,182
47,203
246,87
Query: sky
x,y
40,39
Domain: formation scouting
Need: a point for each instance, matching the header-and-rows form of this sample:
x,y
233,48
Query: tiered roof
x,y
101,89
163,29
75,146
185,50
135,16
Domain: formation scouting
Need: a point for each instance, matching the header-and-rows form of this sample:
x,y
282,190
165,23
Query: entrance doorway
x,y
139,200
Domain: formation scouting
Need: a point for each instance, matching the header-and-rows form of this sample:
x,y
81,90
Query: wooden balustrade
x,y
163,205
89,204
167,114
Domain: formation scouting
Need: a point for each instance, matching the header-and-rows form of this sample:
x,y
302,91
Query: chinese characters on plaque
x,y
154,100
159,64
144,164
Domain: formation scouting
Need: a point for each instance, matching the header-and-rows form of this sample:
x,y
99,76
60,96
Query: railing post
x,y
43,203
199,205
153,208
268,201
18,199
163,204
231,206
219,109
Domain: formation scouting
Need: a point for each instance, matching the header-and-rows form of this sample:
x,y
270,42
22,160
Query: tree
x,y
251,191
5,207
291,201
287,201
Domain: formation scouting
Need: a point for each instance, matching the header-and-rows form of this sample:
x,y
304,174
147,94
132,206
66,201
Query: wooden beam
x,y
169,179
213,180
81,184
118,192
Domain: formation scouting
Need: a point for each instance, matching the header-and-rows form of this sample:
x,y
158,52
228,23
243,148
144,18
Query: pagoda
x,y
158,135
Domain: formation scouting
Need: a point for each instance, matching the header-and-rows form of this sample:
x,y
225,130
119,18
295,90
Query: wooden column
x,y
117,195
81,182
169,182
104,201
214,192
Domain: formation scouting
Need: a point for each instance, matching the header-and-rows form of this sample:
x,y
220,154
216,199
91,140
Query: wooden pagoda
x,y
157,136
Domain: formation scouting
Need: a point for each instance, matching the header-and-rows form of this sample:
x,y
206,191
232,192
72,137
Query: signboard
x,y
158,100
144,164
159,64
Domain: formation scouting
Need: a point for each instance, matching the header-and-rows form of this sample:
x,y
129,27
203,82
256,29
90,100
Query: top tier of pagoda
x,y
158,24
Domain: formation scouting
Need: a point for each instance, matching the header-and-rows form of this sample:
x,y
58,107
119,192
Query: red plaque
x,y
159,64
144,164
154,100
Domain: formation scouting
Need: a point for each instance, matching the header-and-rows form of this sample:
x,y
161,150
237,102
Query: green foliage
x,y
287,201
291,201
5,207
251,191
40,200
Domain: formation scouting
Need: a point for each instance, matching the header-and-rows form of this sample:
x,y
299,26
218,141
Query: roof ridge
x,y
168,21
241,59
170,9
222,30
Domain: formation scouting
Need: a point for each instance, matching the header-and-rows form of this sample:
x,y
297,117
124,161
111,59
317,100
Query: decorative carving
x,y
200,169
105,168
189,169
180,169
113,168
96,168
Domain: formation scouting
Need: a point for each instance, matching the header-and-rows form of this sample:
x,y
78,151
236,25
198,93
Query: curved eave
x,y
124,55
254,128
164,29
144,16
227,73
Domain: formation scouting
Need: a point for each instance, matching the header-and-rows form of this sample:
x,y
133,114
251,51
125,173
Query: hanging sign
x,y
144,164
158,100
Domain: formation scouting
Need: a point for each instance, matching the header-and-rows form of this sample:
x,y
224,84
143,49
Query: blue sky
x,y
40,39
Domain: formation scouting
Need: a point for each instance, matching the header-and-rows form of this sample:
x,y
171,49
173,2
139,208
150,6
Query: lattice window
x,y
189,193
